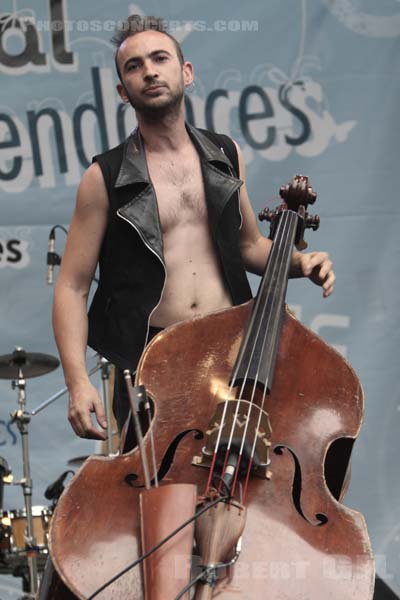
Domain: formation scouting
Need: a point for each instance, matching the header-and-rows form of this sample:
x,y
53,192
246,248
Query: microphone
x,y
230,470
52,257
55,489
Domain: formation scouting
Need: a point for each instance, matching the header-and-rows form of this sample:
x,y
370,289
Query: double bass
x,y
235,489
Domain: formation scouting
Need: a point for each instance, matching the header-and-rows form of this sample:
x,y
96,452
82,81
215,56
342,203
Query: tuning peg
x,y
312,222
266,215
312,196
284,190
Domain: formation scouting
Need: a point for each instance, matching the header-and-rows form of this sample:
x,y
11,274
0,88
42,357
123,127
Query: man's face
x,y
153,77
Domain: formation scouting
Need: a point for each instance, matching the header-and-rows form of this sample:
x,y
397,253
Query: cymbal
x,y
77,461
32,364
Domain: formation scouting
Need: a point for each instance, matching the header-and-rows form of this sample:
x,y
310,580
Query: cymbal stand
x,y
22,419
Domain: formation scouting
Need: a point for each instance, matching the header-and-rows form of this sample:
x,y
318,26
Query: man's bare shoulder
x,y
93,176
92,191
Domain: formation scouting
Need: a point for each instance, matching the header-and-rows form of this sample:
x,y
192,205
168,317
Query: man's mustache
x,y
153,85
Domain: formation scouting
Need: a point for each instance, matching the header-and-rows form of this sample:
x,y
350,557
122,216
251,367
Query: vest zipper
x,y
232,174
238,201
163,266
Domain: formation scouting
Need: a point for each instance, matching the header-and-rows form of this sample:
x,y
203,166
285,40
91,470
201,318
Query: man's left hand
x,y
317,266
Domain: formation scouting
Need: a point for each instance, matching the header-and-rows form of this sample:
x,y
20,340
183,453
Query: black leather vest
x,y
131,263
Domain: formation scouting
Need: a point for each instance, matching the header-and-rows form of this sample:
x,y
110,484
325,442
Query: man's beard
x,y
153,112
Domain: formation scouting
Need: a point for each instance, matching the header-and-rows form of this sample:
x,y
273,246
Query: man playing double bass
x,y
169,220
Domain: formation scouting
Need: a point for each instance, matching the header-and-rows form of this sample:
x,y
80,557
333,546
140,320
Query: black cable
x,y
222,483
199,577
207,575
157,546
59,227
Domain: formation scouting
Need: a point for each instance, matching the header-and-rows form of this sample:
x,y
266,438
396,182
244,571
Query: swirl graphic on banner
x,y
380,26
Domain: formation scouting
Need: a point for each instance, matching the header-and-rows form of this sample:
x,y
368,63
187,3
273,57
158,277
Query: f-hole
x,y
337,467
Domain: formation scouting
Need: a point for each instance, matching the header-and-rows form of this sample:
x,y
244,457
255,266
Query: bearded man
x,y
167,216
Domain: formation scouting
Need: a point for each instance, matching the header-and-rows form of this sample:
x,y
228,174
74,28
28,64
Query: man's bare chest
x,y
179,190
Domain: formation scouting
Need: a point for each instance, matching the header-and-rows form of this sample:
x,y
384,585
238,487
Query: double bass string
x,y
281,264
233,378
262,333
263,296
260,298
281,267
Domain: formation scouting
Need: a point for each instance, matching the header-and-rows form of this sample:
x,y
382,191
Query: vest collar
x,y
141,210
134,166
207,149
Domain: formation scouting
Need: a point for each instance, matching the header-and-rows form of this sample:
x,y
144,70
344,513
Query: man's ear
x,y
188,74
122,93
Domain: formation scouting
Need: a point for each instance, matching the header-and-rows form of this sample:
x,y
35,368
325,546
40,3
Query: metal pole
x,y
105,377
23,419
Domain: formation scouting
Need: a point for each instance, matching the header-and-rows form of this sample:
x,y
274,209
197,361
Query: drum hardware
x,y
8,479
18,366
5,477
33,364
13,549
24,533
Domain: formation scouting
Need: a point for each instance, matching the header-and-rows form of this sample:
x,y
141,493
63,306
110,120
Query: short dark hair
x,y
136,24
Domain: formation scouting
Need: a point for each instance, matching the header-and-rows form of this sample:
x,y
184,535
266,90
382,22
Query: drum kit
x,y
24,533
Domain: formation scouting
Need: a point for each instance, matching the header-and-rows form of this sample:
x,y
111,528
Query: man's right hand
x,y
84,400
